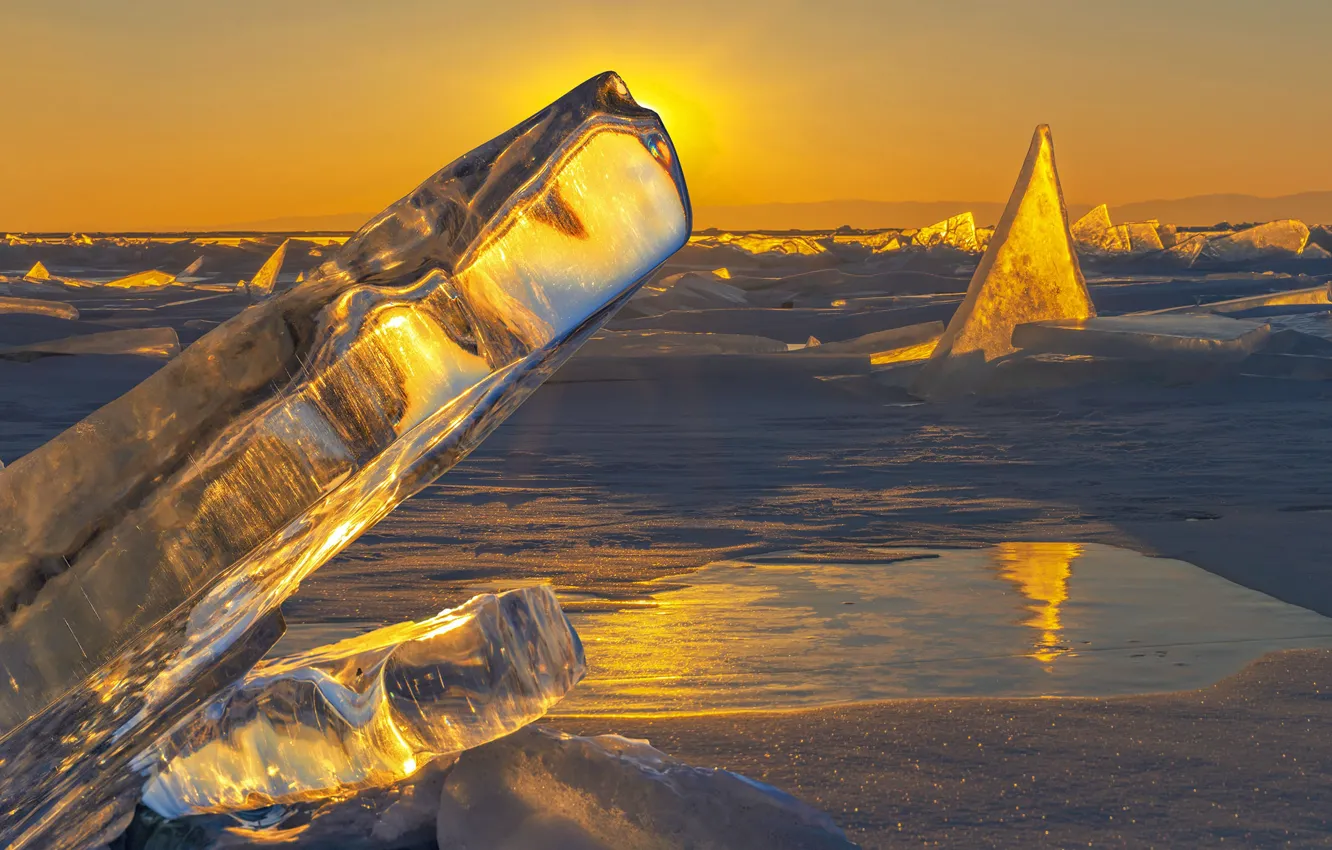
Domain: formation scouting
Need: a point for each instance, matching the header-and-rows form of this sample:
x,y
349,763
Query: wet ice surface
x,y
1017,619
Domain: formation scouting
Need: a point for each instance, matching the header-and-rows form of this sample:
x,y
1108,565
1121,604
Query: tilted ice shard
x,y
1186,250
1143,237
1030,270
370,710
193,267
266,278
1284,238
180,515
1095,234
957,231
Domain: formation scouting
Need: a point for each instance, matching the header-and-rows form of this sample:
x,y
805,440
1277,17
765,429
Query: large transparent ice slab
x,y
370,710
141,342
1319,297
38,307
273,441
1275,239
1146,337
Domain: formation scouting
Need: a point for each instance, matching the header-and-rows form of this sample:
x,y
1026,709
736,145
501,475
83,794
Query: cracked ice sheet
x,y
270,444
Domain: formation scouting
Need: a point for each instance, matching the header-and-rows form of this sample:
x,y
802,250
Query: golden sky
x,y
139,114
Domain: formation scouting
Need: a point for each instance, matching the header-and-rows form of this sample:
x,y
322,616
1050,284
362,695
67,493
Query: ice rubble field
x,y
799,393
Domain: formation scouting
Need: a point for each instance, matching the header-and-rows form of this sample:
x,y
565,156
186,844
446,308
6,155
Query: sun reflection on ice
x,y
1040,572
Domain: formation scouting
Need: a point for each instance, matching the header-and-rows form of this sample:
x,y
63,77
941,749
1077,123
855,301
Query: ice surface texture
x,y
370,710
272,442
540,789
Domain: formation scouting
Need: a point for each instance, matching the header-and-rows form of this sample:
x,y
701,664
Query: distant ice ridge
x,y
175,520
368,711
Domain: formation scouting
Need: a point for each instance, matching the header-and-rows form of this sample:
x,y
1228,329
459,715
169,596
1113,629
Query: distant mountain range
x,y
336,223
1310,207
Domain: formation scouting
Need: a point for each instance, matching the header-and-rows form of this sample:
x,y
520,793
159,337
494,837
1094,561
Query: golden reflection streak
x,y
906,354
1040,572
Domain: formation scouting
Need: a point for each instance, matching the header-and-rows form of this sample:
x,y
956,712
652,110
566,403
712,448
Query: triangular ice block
x,y
1314,251
266,278
38,272
1029,273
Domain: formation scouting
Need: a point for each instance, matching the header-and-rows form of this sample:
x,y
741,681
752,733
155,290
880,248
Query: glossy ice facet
x,y
178,517
1029,271
368,711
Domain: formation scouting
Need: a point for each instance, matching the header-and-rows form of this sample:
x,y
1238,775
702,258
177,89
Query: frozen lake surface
x,y
1023,619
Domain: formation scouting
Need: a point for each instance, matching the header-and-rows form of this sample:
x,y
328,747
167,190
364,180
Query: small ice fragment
x,y
37,273
265,280
539,789
151,279
893,339
368,711
143,342
39,307
684,291
193,267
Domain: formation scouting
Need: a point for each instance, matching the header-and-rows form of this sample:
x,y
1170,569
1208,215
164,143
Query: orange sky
x,y
156,115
